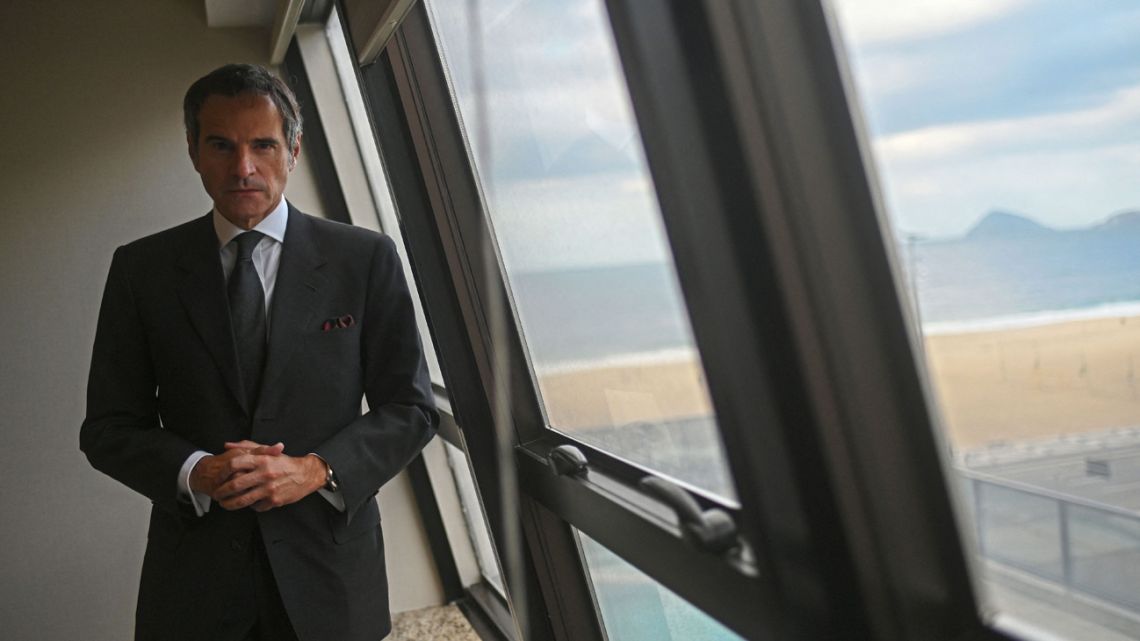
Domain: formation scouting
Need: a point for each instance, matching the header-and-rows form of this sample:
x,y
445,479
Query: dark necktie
x,y
247,313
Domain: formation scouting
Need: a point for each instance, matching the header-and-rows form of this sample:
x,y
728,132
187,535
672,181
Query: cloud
x,y
1065,169
578,221
554,88
1108,121
867,22
973,111
567,181
1060,188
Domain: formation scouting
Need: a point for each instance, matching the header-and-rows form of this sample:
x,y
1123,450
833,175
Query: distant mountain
x,y
1009,264
1125,221
1004,225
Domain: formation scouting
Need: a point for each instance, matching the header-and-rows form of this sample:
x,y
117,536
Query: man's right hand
x,y
211,472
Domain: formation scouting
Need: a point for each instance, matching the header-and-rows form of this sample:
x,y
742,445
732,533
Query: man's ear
x,y
192,149
294,152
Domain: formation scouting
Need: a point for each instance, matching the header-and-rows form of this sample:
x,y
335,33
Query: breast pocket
x,y
337,346
331,359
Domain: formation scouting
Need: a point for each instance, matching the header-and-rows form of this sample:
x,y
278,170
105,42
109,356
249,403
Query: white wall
x,y
92,155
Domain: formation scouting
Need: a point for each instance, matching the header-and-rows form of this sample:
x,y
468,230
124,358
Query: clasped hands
x,y
249,474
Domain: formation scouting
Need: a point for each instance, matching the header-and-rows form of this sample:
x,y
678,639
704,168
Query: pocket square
x,y
341,322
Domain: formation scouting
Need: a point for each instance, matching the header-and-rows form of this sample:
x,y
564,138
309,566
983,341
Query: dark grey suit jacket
x,y
164,383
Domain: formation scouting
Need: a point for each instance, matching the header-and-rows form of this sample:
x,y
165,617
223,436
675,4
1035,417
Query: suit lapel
x,y
202,291
295,296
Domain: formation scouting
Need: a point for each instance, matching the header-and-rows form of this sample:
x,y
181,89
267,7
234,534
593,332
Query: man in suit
x,y
230,359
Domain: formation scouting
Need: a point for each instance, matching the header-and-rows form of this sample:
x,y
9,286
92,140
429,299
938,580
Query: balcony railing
x,y
1086,546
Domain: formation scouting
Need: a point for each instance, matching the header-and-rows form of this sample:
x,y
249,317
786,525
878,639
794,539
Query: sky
x,y
559,155
1025,106
971,106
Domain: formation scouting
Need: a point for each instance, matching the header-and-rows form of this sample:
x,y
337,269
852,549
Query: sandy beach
x,y
1035,383
615,395
993,387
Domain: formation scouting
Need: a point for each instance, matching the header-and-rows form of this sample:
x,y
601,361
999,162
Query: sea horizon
x,y
633,315
1025,320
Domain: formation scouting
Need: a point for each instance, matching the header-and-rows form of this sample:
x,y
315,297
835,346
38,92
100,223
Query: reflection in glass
x,y
634,607
1021,529
1106,554
1009,164
473,516
579,231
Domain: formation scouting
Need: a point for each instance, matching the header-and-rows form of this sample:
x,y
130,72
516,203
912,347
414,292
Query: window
x,y
473,515
1008,162
634,607
579,232
826,513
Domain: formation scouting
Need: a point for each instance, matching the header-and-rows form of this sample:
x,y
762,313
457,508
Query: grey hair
x,y
236,79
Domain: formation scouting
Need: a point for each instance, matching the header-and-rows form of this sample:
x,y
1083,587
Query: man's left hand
x,y
275,481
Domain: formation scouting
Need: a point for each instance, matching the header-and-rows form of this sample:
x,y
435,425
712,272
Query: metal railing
x,y
1086,546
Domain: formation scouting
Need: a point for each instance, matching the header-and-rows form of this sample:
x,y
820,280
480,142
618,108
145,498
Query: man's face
x,y
242,156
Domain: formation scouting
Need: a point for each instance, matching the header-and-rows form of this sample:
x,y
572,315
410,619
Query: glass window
x,y
1006,135
1020,529
579,231
634,607
473,515
1105,554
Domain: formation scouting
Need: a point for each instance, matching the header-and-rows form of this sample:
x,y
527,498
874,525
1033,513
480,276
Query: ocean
x,y
995,283
581,318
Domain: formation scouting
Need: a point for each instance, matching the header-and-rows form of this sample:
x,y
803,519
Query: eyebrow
x,y
256,141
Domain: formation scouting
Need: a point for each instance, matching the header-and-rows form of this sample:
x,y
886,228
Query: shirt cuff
x,y
200,501
336,499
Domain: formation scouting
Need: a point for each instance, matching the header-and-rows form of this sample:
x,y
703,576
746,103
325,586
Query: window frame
x,y
424,194
441,209
771,212
780,101
487,613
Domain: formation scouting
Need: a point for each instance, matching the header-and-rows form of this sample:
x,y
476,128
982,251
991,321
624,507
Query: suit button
x,y
236,545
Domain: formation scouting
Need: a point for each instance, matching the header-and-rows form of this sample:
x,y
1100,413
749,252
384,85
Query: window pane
x,y
473,515
1006,136
1106,554
634,607
1021,529
580,234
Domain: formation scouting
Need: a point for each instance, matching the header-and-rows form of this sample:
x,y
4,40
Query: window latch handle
x,y
567,460
711,530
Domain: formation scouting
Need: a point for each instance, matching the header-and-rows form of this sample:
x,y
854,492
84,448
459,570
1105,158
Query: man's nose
x,y
243,163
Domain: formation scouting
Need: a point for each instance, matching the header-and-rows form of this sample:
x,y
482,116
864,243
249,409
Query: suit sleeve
x,y
402,417
121,434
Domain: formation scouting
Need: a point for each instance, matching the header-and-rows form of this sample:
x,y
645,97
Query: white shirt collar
x,y
272,225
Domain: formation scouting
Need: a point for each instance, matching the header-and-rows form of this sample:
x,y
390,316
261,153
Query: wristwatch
x,y
330,479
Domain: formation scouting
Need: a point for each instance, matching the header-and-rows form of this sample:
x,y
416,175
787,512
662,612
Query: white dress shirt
x,y
266,260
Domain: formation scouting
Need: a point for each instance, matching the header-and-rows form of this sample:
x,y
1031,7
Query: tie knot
x,y
246,241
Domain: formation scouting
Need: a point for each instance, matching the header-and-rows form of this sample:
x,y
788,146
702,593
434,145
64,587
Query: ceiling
x,y
261,13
